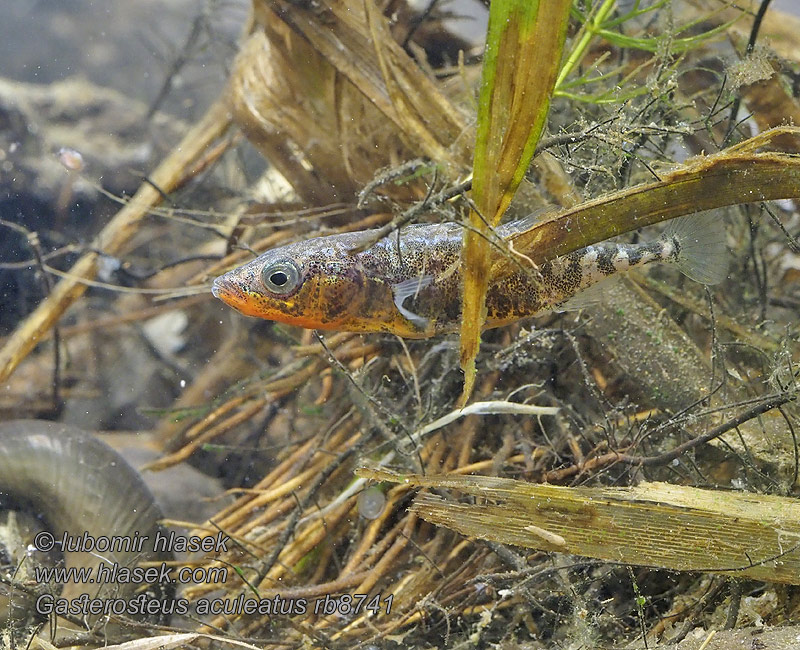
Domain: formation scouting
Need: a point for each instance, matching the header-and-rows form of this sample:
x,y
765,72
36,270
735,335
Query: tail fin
x,y
703,254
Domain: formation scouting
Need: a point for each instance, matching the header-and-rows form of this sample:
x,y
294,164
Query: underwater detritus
x,y
666,382
61,482
675,527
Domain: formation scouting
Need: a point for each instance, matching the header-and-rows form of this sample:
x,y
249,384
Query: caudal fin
x,y
703,254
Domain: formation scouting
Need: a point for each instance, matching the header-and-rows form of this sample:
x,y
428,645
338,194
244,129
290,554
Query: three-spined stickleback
x,y
411,284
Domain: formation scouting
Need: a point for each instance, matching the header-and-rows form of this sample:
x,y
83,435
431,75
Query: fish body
x,y
411,285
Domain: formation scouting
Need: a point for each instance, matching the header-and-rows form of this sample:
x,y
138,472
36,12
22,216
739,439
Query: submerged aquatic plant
x,y
664,382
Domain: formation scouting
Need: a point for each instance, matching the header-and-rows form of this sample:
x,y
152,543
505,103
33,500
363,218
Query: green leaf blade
x,y
524,45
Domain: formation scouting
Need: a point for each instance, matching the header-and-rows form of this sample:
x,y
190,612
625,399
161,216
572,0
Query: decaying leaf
x,y
661,525
740,174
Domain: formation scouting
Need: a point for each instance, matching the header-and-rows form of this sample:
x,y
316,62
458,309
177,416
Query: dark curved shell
x,y
77,484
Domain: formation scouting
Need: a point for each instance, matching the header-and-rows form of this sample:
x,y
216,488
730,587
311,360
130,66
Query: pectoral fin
x,y
406,289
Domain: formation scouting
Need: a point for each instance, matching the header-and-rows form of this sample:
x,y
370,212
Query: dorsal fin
x,y
525,223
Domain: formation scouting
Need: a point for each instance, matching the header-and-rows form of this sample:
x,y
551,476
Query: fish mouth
x,y
230,292
226,291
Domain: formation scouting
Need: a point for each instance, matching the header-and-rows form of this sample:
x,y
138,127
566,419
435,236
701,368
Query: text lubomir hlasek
x,y
135,543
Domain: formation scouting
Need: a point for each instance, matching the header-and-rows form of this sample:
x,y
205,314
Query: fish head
x,y
314,284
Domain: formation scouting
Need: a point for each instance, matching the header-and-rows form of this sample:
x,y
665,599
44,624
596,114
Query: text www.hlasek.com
x,y
130,575
112,573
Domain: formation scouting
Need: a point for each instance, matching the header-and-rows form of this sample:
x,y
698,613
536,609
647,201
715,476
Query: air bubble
x,y
371,503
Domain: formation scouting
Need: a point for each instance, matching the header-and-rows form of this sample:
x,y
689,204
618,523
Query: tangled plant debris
x,y
365,115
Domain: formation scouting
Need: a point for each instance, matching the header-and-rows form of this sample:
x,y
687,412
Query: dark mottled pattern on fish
x,y
411,286
605,261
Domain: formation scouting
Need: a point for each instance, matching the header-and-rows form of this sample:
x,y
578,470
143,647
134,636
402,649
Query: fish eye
x,y
282,277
